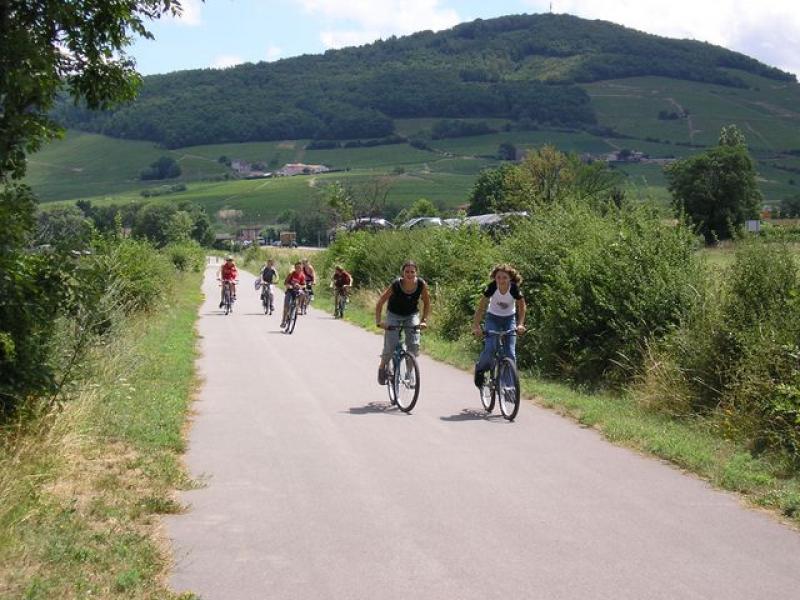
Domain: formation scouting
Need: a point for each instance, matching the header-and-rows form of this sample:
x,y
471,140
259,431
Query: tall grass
x,y
81,487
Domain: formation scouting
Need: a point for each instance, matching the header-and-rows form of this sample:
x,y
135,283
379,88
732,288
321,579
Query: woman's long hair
x,y
506,268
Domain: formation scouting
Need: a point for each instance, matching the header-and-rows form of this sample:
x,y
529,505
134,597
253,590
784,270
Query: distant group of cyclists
x,y
501,307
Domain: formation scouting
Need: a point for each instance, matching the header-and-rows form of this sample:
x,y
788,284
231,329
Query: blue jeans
x,y
495,323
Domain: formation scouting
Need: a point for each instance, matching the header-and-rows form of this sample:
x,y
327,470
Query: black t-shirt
x,y
268,275
403,304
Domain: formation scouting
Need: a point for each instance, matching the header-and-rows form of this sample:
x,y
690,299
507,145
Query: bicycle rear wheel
x,y
508,388
406,382
265,302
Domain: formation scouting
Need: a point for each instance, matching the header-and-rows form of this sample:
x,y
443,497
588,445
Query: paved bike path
x,y
315,488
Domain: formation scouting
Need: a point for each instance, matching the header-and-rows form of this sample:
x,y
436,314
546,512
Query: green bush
x,y
599,284
188,256
736,355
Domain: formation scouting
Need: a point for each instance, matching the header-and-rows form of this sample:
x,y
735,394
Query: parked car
x,y
420,222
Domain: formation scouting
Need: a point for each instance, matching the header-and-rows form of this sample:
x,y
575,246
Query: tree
x,y
339,200
544,176
717,189
64,229
370,196
49,47
489,190
165,167
422,207
507,151
790,206
732,136
77,46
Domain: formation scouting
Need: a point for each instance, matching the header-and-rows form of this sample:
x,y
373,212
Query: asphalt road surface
x,y
316,489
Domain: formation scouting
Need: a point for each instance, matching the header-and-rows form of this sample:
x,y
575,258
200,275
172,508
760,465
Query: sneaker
x,y
220,304
283,324
382,376
480,378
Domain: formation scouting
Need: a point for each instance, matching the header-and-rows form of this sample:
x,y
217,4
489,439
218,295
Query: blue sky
x,y
221,33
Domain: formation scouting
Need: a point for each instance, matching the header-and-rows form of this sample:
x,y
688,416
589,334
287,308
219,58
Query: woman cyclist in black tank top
x,y
403,298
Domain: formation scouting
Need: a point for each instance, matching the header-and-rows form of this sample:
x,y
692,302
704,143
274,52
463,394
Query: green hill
x,y
611,88
530,69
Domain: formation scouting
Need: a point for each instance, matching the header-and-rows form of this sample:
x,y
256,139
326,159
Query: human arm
x,y
479,313
426,307
379,306
521,308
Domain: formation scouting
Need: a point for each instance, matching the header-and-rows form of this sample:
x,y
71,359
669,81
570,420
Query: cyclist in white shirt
x,y
504,306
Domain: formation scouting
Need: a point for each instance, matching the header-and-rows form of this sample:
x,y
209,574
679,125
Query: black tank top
x,y
403,304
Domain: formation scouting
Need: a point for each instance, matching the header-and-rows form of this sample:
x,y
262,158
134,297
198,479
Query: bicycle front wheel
x,y
390,383
406,382
487,392
508,388
292,320
227,302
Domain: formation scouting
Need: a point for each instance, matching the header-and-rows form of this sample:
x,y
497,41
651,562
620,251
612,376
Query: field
x,y
764,113
106,170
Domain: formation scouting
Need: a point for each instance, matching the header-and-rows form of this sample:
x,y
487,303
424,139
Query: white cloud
x,y
191,13
274,53
768,31
355,22
223,61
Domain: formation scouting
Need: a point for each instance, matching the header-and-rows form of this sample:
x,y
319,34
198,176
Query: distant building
x,y
301,169
241,166
248,234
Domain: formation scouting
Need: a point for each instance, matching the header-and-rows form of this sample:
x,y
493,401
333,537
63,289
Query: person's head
x,y
504,274
409,270
338,268
298,266
270,262
229,260
305,262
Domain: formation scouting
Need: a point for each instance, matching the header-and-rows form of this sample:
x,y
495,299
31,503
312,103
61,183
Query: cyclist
x,y
227,273
294,282
311,276
504,306
342,282
268,276
403,310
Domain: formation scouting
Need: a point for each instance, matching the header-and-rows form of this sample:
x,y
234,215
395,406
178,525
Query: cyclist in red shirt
x,y
227,272
342,282
295,281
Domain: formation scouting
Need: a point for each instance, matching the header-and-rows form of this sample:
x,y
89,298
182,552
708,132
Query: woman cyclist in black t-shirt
x,y
403,298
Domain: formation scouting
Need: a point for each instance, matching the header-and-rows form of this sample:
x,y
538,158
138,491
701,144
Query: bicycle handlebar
x,y
491,332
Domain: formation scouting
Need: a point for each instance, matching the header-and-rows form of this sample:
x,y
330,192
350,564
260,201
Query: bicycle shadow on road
x,y
470,414
373,408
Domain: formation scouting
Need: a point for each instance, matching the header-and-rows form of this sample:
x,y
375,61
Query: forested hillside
x,y
527,68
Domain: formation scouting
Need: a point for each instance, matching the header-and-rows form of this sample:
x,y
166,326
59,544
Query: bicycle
x,y
227,296
267,298
291,314
307,298
402,373
502,383
339,302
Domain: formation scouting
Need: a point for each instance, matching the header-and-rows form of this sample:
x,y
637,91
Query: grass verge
x,y
693,445
82,491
